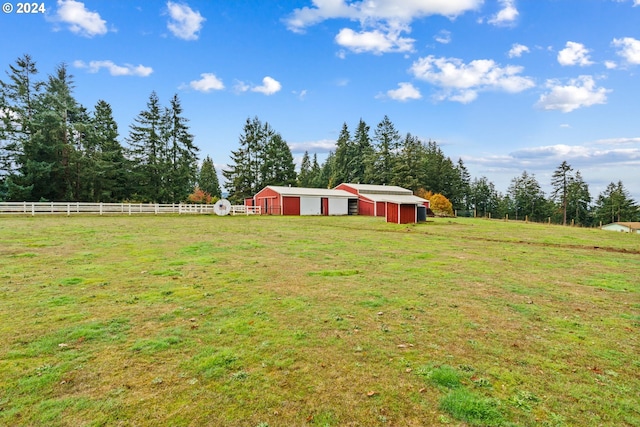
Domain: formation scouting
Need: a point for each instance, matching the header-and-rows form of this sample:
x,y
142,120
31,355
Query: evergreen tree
x,y
305,177
51,160
182,154
264,158
328,172
483,197
208,178
343,156
316,173
18,98
242,177
578,199
528,198
386,142
560,182
109,180
277,167
147,152
440,174
460,192
407,169
362,155
615,205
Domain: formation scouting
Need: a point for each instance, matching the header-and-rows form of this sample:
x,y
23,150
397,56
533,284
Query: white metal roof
x,y
318,192
379,189
402,199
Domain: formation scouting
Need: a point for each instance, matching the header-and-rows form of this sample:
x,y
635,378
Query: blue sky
x,y
506,85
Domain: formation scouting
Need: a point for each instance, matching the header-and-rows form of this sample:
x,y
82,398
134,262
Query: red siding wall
x,y
408,214
365,207
381,208
392,213
269,201
347,188
290,205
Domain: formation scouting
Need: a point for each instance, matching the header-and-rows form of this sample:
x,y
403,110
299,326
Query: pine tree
x,y
181,154
362,155
578,199
208,178
386,146
305,177
483,197
276,164
109,166
407,169
147,152
316,173
528,198
615,205
341,168
51,157
560,182
17,109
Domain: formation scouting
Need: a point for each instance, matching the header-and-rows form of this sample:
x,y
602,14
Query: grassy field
x,y
316,321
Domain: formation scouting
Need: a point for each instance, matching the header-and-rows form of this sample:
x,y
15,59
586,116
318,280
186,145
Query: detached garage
x,y
275,200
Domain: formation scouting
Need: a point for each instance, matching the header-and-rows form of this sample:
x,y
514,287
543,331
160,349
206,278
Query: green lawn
x,y
319,321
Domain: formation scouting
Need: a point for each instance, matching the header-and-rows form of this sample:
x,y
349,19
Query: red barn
x,y
397,204
275,200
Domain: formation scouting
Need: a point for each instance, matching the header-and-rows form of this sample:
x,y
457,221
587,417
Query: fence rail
x,y
74,208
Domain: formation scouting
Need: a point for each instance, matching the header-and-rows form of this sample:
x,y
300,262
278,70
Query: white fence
x,y
70,208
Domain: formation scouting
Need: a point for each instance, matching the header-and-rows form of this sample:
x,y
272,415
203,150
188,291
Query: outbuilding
x,y
396,204
276,200
625,227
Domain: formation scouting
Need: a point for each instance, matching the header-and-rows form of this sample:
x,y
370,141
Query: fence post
x,y
68,209
100,208
33,209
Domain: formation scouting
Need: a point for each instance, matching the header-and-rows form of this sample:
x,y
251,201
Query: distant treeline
x,y
54,149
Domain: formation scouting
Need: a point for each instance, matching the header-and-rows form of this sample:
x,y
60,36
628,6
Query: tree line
x,y
54,149
384,156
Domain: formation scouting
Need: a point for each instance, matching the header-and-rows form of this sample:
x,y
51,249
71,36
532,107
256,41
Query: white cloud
x,y
461,82
507,15
80,20
269,86
610,65
377,41
321,146
381,10
629,49
517,50
207,83
382,22
574,54
578,93
240,86
405,92
114,69
443,37
184,22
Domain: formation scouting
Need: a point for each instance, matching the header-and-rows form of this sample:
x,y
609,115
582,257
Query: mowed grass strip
x,y
273,321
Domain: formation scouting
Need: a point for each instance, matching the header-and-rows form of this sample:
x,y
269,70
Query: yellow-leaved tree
x,y
440,205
